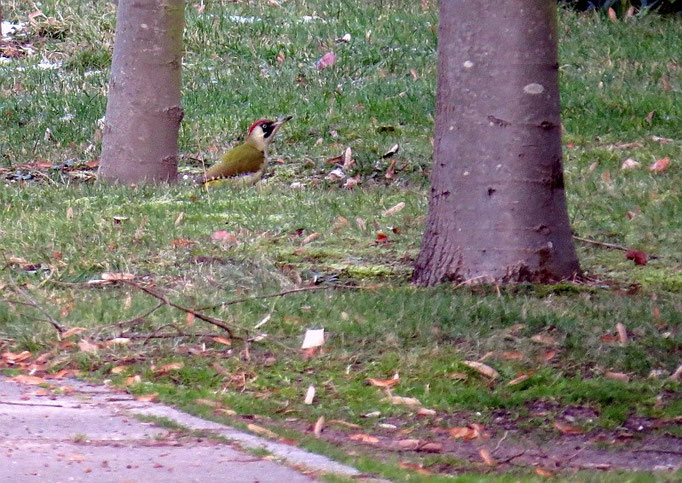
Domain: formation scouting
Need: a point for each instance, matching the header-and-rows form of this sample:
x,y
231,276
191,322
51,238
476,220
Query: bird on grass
x,y
245,163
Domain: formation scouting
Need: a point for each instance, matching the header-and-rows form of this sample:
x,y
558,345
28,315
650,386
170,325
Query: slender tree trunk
x,y
140,141
497,210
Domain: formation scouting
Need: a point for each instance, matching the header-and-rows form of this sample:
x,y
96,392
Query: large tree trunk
x,y
497,211
140,142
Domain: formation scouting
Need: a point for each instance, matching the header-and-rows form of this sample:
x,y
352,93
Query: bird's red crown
x,y
253,126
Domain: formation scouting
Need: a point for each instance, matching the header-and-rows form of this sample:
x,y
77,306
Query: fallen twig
x,y
612,246
36,305
281,294
506,433
165,336
165,300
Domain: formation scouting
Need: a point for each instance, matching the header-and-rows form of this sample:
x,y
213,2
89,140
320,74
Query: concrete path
x,y
92,434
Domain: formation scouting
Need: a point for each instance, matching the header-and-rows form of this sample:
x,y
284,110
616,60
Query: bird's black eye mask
x,y
267,128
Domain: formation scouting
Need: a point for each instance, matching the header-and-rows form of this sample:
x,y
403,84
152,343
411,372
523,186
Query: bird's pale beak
x,y
278,123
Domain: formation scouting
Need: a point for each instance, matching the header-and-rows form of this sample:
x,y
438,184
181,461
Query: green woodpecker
x,y
246,162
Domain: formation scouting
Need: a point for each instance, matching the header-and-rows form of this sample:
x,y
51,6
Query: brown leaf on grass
x,y
190,319
309,395
629,164
309,353
261,431
638,256
518,380
543,472
118,369
327,60
363,438
481,368
612,15
660,165
430,447
221,340
617,376
394,209
567,429
487,457
136,379
383,382
166,368
402,400
345,423
116,341
319,425
610,338
115,276
466,432
87,346
424,412
147,397
310,238
348,161
414,467
361,223
13,358
544,339
382,237
224,236
512,355
31,380
547,356
72,331
665,84
390,171
622,333
458,376
391,152
677,375
409,444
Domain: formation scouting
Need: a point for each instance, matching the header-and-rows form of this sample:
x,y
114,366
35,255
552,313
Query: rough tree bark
x,y
497,210
140,141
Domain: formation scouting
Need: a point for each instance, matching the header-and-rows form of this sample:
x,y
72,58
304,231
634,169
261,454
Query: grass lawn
x,y
566,377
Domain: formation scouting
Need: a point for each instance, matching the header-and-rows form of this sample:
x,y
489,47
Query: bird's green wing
x,y
242,160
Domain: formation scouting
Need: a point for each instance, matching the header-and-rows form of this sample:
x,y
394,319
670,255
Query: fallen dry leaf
x,y
544,339
629,164
622,333
612,15
543,472
86,346
512,356
414,467
364,438
261,431
638,256
481,368
313,338
617,376
394,209
383,382
407,401
148,397
317,430
136,379
426,412
118,369
221,340
660,165
173,366
310,238
487,457
567,429
114,276
73,331
31,380
12,358
225,237
309,395
327,60
409,444
466,432
518,380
